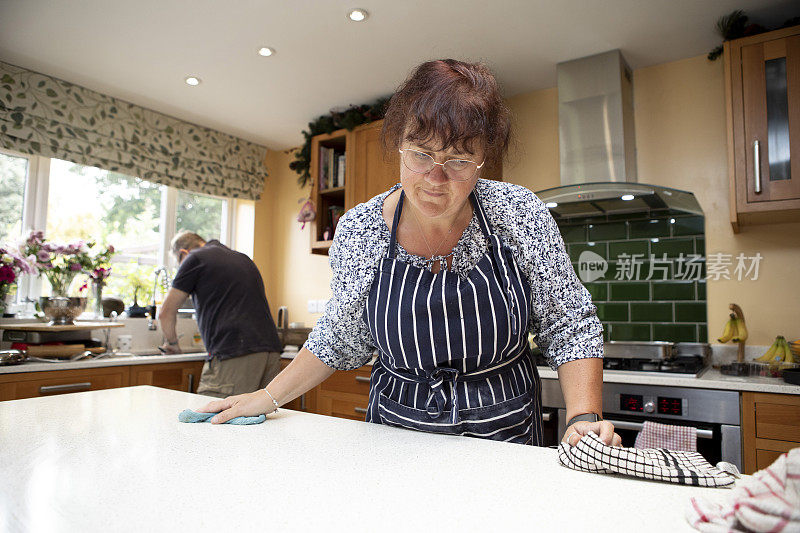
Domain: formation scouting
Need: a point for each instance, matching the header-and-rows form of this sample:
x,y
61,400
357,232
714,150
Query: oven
x,y
715,415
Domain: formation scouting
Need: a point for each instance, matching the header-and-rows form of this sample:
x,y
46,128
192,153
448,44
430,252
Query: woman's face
x,y
434,194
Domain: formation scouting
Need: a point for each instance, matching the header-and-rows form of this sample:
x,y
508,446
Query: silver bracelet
x,y
273,400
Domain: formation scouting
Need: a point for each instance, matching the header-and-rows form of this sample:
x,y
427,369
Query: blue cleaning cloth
x,y
187,415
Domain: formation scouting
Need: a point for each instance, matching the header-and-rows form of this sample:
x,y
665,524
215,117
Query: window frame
x,y
34,217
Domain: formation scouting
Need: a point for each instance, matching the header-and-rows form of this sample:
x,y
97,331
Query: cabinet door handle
x,y
191,383
546,417
65,388
636,426
302,402
756,167
362,379
360,410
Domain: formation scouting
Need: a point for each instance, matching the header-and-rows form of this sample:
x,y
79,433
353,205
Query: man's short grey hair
x,y
186,240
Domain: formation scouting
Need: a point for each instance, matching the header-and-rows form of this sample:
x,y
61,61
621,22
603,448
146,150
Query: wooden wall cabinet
x,y
368,172
770,427
762,89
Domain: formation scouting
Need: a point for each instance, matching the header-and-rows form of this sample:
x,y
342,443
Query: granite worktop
x,y
119,459
710,379
108,360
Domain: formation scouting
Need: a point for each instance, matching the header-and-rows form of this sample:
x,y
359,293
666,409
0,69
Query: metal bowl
x,y
62,310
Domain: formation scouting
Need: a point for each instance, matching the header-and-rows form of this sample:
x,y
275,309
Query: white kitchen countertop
x,y
109,360
118,459
710,379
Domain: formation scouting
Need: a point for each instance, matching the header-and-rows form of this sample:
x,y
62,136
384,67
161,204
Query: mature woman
x,y
443,276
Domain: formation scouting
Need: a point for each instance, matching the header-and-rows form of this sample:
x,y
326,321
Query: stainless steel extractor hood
x,y
597,145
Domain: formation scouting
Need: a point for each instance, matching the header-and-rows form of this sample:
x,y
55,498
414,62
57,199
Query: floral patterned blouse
x,y
563,316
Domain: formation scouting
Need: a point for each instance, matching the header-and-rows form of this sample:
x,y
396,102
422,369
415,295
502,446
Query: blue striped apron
x,y
453,352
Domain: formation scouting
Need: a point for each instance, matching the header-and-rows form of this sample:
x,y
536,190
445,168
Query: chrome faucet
x,y
152,323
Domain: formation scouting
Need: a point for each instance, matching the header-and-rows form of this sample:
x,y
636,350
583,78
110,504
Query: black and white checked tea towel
x,y
591,454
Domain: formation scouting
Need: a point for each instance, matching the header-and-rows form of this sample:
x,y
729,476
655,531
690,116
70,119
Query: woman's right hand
x,y
250,404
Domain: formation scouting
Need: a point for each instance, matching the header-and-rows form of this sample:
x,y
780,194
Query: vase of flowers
x,y
99,270
59,264
12,265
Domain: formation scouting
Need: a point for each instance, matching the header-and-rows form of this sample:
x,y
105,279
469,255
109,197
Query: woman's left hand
x,y
603,429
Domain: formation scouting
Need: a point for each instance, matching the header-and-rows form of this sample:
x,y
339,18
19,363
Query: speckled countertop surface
x,y
120,459
109,360
710,379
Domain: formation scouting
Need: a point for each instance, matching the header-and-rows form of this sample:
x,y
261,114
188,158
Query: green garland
x,y
736,25
348,119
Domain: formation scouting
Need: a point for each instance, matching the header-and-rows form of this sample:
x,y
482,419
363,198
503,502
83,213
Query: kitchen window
x,y
70,201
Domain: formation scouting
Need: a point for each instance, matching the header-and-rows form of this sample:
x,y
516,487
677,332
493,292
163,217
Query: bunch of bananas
x,y
735,330
779,352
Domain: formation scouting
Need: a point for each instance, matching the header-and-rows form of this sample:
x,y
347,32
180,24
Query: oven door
x,y
715,442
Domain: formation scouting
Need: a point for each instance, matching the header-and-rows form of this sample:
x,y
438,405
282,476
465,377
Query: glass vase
x,y
97,295
60,281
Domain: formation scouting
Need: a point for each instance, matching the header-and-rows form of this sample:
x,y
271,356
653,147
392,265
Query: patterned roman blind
x,y
46,116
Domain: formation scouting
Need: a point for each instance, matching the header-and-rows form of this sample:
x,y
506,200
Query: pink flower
x,y
43,255
7,274
111,249
74,267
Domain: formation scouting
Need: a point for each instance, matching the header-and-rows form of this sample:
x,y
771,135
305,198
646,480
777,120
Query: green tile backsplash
x,y
671,304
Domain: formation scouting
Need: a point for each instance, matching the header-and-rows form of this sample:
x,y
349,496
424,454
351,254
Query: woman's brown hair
x,y
452,103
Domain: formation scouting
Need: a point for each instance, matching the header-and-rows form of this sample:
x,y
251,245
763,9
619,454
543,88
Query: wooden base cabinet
x,y
34,384
183,376
176,376
345,394
306,402
770,427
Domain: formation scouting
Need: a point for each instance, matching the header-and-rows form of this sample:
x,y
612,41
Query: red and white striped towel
x,y
655,435
770,501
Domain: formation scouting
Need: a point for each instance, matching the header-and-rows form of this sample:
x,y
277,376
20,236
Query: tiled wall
x,y
666,246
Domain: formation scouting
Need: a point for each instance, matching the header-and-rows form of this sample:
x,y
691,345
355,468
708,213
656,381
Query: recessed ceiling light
x,y
191,80
358,15
265,51
551,205
627,197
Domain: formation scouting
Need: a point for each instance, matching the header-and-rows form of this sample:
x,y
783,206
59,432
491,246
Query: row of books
x,y
331,168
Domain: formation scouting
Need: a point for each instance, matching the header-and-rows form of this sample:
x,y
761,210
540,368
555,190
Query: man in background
x,y
232,314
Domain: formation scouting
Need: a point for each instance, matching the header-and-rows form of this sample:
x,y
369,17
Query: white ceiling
x,y
141,50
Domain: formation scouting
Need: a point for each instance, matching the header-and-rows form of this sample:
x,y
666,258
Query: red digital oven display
x,y
631,402
670,406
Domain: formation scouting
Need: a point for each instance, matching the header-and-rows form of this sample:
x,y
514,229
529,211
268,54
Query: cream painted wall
x,y
292,275
681,143
533,160
679,109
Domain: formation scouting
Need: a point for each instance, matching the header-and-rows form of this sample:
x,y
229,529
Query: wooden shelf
x,y
78,326
333,191
321,247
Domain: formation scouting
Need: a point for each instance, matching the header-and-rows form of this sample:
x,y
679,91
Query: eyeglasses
x,y
454,169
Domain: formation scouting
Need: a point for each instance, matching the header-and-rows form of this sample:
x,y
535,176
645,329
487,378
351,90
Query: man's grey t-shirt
x,y
228,293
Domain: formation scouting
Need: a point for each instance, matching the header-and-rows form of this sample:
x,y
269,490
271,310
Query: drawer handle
x,y
360,410
756,168
362,379
546,417
65,388
636,426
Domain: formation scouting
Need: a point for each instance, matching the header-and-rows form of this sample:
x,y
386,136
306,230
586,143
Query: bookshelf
x,y
329,174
